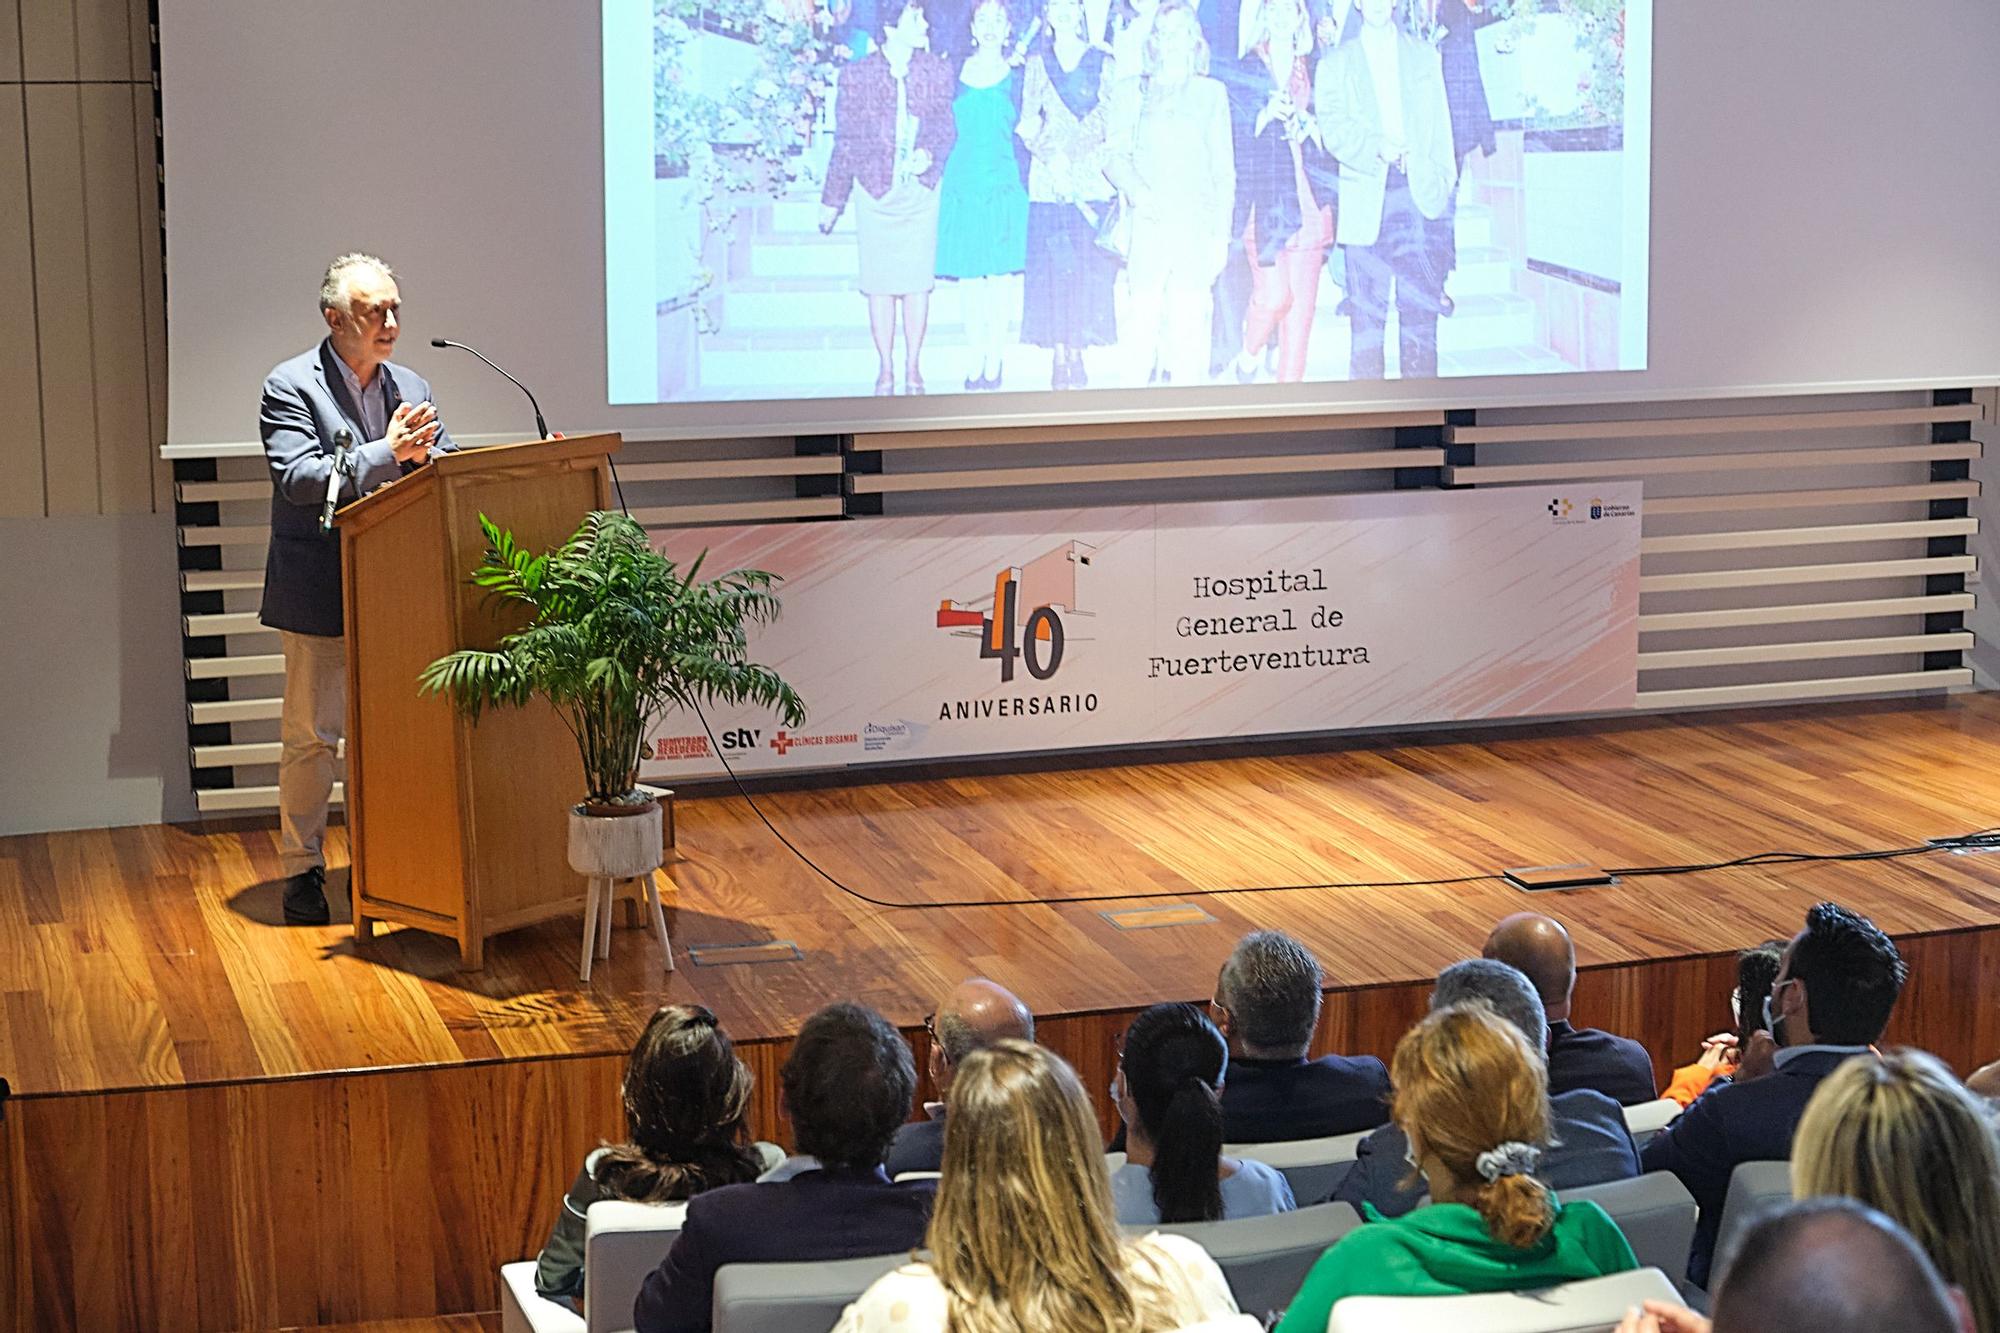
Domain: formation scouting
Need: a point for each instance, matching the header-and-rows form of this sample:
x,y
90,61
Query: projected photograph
x,y
845,198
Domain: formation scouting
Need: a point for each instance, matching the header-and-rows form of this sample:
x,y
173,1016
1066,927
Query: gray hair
x,y
959,1038
1505,990
1271,988
333,286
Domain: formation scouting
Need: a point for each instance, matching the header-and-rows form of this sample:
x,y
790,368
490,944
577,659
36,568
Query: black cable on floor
x,y
1983,839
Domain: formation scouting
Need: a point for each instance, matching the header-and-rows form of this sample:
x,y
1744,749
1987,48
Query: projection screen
x,y
682,220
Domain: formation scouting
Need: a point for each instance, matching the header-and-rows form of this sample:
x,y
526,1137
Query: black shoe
x,y
305,899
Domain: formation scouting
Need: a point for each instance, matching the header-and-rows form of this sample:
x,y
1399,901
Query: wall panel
x,y
103,40
62,284
20,359
48,40
117,298
10,40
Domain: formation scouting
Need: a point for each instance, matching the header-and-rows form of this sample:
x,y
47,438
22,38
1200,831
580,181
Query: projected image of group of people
x,y
888,197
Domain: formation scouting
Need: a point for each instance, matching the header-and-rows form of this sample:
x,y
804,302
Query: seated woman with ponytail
x,y
686,1098
1472,1097
1168,1089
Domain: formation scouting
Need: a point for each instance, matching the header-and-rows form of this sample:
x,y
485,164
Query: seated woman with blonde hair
x,y
1022,1235
1472,1097
1903,1136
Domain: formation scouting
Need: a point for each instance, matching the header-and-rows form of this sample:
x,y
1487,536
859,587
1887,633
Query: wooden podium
x,y
455,828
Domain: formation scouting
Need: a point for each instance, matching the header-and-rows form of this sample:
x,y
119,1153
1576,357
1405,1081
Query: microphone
x,y
343,463
541,426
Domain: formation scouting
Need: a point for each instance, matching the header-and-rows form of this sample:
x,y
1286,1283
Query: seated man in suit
x,y
1837,985
347,383
977,1013
846,1086
1618,1067
1267,1001
1592,1144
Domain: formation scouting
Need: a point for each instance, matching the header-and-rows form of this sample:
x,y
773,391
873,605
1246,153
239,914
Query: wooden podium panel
x,y
456,827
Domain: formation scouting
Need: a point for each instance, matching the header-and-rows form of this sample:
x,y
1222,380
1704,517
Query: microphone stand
x,y
343,466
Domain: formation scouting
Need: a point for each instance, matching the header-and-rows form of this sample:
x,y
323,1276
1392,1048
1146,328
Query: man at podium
x,y
345,387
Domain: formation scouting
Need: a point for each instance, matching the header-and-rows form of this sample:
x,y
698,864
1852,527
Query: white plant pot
x,y
615,846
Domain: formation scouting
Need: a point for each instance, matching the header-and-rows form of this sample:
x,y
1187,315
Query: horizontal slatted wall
x,y
1786,555
235,672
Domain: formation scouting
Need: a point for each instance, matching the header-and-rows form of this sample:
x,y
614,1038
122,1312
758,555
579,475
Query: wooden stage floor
x,y
182,1062
151,956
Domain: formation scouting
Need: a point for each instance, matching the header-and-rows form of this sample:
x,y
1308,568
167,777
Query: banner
x,y
958,635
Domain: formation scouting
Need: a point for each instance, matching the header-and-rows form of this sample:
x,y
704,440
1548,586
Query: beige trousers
x,y
309,730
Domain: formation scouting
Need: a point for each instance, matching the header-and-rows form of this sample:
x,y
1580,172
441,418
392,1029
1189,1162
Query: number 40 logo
x,y
1040,645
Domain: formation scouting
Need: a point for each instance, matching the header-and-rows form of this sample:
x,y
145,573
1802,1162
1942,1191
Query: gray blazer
x,y
305,402
1592,1147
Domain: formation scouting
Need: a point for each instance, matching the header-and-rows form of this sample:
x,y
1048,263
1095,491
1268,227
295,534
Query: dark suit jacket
x,y
1272,1101
918,1146
1618,1067
864,131
1594,1147
305,402
1730,1125
817,1215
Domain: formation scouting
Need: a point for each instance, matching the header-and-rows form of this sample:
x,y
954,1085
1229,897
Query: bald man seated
x,y
1616,1066
977,1013
1822,1266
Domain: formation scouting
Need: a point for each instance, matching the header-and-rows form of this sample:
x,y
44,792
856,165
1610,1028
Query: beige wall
x,y
82,310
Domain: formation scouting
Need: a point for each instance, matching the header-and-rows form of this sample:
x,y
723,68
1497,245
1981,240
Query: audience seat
x,y
1656,1213
1592,1306
793,1298
623,1242
1754,1189
1649,1118
523,1309
1266,1259
1313,1168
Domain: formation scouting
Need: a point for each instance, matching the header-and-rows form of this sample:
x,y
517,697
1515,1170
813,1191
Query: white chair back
x,y
793,1298
1591,1306
1754,1189
1649,1118
1655,1212
1265,1259
1313,1168
623,1242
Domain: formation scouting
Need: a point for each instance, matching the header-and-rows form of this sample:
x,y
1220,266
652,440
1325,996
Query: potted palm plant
x,y
616,636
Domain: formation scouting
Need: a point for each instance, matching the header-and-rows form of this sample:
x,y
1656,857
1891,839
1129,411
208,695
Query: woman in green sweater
x,y
1472,1096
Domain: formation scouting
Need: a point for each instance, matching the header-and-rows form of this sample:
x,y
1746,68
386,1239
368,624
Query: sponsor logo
x,y
742,738
879,736
676,747
1023,621
784,742
1563,510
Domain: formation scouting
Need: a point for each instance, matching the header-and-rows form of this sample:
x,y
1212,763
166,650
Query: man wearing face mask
x,y
1836,987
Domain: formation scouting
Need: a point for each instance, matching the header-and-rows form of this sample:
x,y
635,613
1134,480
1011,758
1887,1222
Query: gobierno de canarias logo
x,y
1023,619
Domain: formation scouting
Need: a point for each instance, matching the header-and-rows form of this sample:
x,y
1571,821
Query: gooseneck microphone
x,y
343,464
541,426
